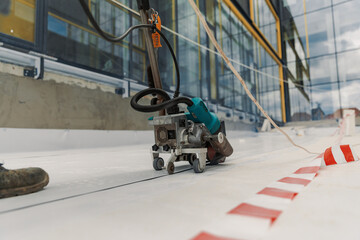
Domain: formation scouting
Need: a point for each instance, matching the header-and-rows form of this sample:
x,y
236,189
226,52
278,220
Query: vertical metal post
x,y
144,6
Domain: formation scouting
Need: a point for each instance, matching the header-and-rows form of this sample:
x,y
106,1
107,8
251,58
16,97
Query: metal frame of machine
x,y
187,140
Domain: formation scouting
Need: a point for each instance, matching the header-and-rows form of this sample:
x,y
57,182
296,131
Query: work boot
x,y
21,181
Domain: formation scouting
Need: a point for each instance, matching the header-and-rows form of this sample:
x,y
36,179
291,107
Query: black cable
x,y
105,35
110,38
177,91
168,103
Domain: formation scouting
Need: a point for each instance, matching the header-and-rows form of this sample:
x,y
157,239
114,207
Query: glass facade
x,y
322,48
266,20
205,74
312,45
71,38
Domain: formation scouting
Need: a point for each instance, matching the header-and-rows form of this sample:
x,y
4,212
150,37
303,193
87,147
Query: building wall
x,y
311,45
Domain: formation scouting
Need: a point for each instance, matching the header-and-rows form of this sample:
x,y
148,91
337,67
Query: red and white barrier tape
x,y
252,218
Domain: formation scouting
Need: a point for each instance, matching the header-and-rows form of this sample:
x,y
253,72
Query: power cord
x,y
110,38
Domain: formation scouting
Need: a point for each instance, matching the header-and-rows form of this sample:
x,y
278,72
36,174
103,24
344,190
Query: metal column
x,y
144,6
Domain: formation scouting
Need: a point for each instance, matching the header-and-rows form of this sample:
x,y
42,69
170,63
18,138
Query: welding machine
x,y
196,136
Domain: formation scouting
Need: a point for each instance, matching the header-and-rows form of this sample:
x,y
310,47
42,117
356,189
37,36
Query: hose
x,y
168,103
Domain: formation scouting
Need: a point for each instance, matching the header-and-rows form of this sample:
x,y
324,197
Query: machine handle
x,y
143,4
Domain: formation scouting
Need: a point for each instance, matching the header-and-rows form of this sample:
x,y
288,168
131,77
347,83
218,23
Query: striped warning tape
x,y
339,154
252,218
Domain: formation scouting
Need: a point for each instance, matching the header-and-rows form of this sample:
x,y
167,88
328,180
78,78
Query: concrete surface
x,y
29,103
113,193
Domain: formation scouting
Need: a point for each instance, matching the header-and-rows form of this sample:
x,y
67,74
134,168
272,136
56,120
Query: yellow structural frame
x,y
29,4
265,44
277,20
306,31
251,5
278,33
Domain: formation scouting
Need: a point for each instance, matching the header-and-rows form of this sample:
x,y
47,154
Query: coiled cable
x,y
166,104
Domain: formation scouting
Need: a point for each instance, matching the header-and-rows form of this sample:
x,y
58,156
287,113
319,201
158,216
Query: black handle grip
x,y
143,4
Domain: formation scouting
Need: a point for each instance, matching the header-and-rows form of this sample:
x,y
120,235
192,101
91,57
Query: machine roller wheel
x,y
158,164
170,168
196,166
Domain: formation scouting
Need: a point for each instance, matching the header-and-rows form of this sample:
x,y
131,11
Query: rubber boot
x,y
21,181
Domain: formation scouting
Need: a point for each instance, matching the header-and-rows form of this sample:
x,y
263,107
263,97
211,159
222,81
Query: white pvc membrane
x,y
102,186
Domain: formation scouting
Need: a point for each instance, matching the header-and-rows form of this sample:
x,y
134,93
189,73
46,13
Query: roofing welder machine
x,y
196,136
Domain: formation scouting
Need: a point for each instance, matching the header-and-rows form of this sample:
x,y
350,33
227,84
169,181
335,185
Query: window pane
x,y
347,25
266,21
299,104
295,39
245,6
325,101
71,38
17,18
268,89
323,70
296,7
350,94
320,32
188,55
340,1
312,5
293,8
348,70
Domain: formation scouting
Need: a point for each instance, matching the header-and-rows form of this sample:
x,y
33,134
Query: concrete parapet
x,y
62,102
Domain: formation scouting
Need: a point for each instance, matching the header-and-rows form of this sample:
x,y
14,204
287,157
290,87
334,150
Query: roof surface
x,y
114,193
